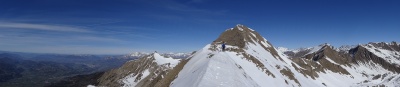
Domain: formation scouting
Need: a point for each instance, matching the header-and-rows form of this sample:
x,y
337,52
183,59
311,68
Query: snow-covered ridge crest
x,y
393,46
179,55
240,27
301,52
345,48
164,60
139,54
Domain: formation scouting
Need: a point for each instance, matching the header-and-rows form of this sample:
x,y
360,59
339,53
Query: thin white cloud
x,y
34,39
70,40
65,45
73,49
4,25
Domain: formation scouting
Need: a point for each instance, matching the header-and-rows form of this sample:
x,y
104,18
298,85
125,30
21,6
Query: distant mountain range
x,y
170,54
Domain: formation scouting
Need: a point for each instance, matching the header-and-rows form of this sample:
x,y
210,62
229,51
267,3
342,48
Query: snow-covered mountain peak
x,y
239,25
325,44
241,35
387,51
302,52
394,43
314,49
242,28
139,54
393,46
283,49
345,48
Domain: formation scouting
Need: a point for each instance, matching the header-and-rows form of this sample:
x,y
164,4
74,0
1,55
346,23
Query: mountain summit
x,y
239,36
251,61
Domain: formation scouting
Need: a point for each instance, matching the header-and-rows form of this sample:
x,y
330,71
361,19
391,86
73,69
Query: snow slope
x,y
218,70
226,69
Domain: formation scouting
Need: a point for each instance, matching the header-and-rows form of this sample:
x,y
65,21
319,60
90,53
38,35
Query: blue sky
x,y
125,26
